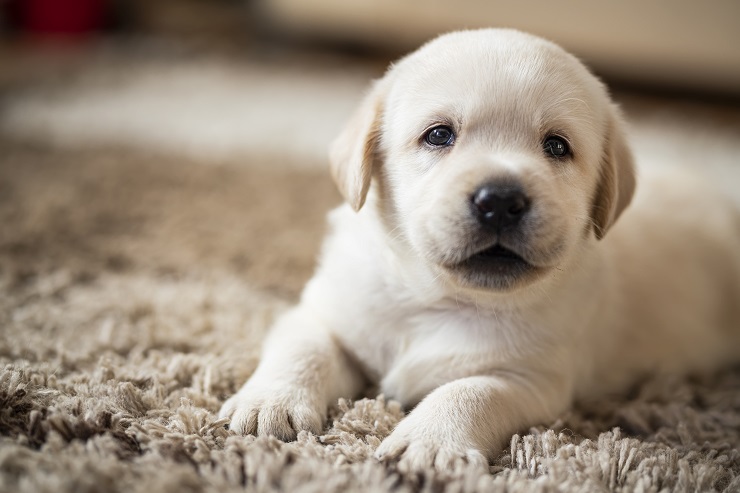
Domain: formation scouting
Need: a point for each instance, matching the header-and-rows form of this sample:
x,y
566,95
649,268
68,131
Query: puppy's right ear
x,y
354,153
617,183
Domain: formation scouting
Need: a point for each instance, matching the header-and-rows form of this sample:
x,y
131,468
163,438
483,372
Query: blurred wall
x,y
684,44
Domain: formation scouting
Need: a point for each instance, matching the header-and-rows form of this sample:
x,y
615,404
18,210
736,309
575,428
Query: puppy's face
x,y
498,154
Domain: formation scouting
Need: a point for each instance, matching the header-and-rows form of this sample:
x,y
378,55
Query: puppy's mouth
x,y
495,267
496,253
497,260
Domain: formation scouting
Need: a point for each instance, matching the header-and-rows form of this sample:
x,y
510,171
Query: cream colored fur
x,y
615,291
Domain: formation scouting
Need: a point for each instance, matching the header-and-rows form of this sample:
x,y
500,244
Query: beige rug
x,y
134,292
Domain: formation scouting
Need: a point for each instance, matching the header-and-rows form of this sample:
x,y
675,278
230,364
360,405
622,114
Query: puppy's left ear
x,y
354,153
617,182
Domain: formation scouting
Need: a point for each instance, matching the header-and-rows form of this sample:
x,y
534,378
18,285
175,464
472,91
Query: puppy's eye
x,y
556,146
440,136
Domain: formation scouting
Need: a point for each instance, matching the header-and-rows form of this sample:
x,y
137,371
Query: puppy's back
x,y
675,259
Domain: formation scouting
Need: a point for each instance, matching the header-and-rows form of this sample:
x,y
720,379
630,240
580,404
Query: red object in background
x,y
63,16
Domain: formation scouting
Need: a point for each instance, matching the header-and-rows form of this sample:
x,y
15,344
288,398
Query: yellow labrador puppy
x,y
484,268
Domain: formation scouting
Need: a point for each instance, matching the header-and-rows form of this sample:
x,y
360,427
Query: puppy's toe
x,y
304,417
228,407
274,420
476,459
244,421
285,422
391,448
418,457
449,459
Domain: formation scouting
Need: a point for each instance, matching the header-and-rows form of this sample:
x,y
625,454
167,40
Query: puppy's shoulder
x,y
347,277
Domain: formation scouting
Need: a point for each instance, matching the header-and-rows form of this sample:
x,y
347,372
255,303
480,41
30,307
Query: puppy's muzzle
x,y
496,251
499,206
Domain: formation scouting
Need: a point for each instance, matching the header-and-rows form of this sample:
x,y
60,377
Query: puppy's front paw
x,y
420,445
279,411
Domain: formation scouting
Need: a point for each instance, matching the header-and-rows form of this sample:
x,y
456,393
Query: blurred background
x,y
174,133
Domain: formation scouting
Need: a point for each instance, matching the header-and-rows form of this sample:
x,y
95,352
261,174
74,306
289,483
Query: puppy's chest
x,y
409,354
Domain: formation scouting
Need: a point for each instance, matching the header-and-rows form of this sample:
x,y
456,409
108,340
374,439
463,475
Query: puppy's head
x,y
496,156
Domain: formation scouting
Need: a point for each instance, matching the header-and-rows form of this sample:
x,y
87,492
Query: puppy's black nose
x,y
499,206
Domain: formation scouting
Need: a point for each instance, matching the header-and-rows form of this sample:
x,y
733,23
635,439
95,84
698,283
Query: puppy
x,y
485,269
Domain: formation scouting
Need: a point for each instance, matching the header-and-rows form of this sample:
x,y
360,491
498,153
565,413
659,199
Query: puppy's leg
x,y
302,371
469,420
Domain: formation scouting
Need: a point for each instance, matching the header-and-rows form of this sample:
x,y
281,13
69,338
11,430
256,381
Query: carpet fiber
x,y
134,293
